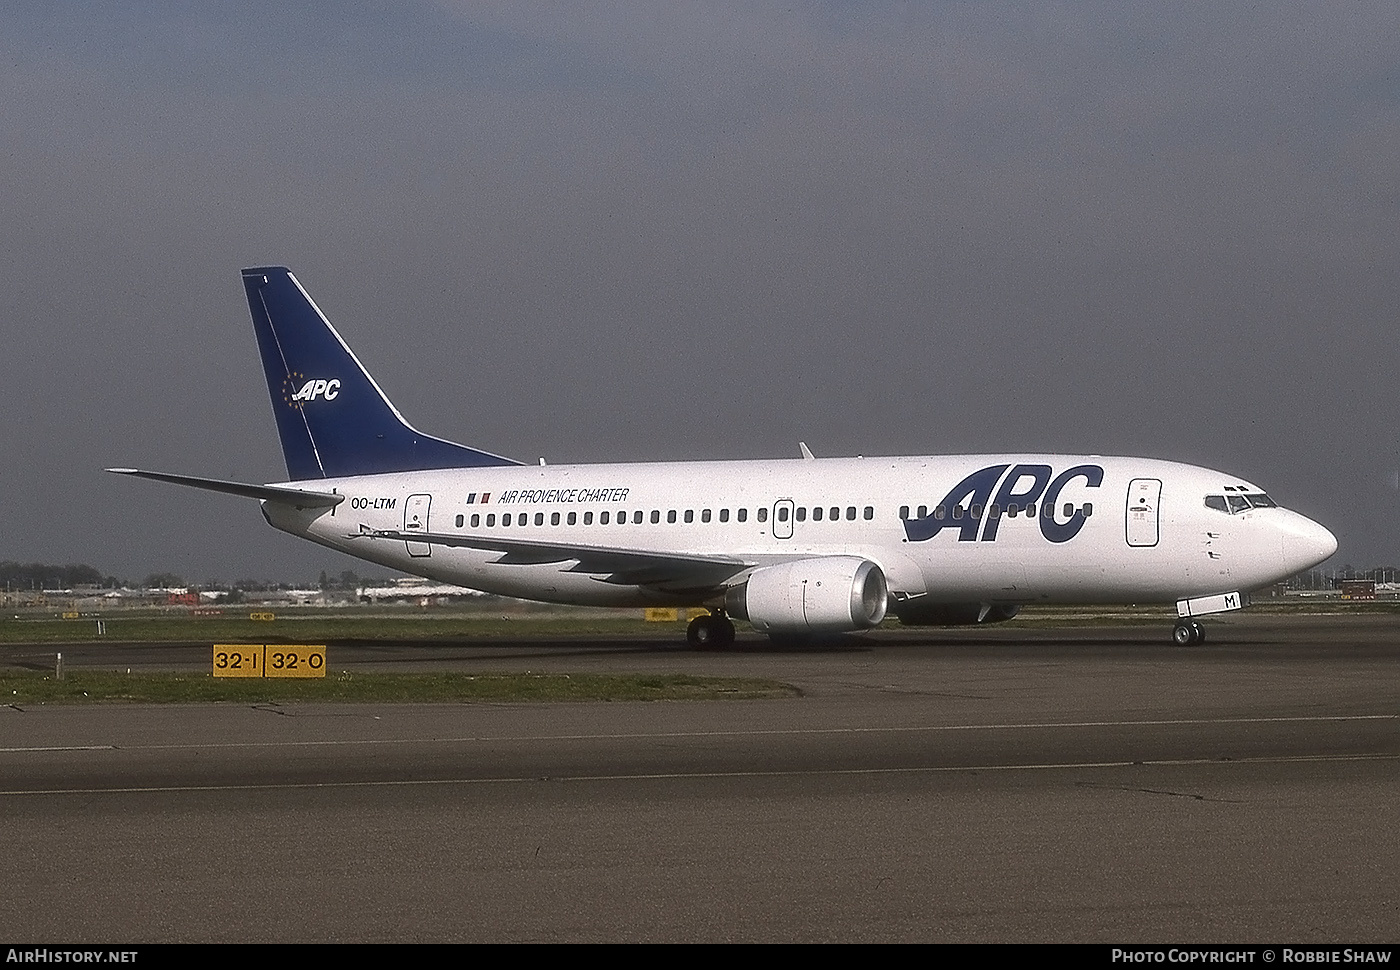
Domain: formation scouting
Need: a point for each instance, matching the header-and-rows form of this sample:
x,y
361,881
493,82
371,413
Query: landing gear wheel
x,y
713,631
1188,633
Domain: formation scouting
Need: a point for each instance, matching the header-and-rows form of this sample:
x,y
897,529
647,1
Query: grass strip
x,y
90,686
307,625
313,628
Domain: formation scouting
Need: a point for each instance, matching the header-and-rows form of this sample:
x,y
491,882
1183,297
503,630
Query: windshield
x,y
1237,502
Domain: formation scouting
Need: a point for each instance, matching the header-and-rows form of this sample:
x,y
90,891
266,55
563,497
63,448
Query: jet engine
x,y
830,594
920,612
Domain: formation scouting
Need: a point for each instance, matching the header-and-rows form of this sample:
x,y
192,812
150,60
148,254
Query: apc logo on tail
x,y
312,390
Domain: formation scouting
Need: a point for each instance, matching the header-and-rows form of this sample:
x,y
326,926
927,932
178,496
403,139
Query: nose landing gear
x,y
1188,633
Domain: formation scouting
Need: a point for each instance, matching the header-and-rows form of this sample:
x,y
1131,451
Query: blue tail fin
x,y
332,417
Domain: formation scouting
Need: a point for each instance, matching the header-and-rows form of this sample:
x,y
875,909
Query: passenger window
x,y
459,521
903,512
603,518
573,518
763,514
704,515
851,514
588,518
1088,509
554,519
816,513
744,515
476,520
869,512
505,519
957,512
836,513
1030,510
539,518
671,517
783,514
689,515
1069,510
977,511
637,517
1011,510
724,515
940,513
491,520
923,511
802,514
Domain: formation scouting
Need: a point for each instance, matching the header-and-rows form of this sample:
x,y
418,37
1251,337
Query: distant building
x,y
1358,589
414,590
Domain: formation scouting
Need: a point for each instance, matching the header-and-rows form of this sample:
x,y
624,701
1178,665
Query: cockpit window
x,y
1235,503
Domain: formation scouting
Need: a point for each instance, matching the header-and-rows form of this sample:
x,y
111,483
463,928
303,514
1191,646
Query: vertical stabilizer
x,y
332,417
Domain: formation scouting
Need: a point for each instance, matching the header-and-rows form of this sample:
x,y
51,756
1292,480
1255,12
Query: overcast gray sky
x,y
635,231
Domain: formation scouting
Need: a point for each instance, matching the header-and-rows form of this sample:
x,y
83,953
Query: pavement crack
x,y
1159,791
271,707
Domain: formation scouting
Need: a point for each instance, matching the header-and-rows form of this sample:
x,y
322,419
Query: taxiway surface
x,y
1089,784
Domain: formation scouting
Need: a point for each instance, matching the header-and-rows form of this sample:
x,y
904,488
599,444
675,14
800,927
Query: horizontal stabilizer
x,y
268,493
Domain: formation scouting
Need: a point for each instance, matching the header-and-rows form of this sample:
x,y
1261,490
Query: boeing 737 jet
x,y
799,548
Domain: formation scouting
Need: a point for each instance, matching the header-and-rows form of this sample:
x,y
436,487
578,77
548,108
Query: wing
x,y
672,571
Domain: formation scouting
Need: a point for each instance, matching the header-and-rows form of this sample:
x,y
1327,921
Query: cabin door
x,y
415,519
1144,499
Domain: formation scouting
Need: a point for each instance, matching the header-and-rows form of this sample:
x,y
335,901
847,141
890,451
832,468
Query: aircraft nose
x,y
1305,543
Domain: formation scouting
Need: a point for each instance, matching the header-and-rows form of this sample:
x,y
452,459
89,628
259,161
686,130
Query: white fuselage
x,y
1118,530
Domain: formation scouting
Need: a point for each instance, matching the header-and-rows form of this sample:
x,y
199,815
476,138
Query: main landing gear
x,y
1188,633
710,631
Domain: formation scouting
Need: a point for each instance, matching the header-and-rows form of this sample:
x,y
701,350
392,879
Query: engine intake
x,y
830,594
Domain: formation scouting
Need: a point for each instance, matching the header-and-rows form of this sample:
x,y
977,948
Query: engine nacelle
x,y
920,612
830,594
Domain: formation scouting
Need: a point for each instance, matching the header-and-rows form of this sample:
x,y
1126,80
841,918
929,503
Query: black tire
x,y
704,633
1184,634
724,628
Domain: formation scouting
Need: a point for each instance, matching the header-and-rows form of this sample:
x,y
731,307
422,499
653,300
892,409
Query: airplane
x,y
800,548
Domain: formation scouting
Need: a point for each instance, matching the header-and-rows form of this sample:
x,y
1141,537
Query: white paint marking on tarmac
x,y
673,735
685,776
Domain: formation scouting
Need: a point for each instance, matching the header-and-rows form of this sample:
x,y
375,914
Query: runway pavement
x,y
1070,784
